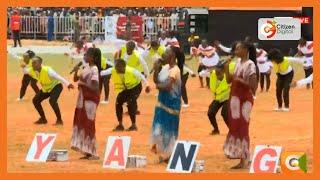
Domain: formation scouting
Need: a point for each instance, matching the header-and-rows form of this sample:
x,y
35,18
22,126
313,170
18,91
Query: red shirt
x,y
15,22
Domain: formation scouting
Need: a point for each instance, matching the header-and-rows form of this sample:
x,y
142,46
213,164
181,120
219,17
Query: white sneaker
x,y
185,105
104,102
285,109
19,99
277,109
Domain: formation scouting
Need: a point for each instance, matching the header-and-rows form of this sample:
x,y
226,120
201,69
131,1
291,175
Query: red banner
x,y
135,25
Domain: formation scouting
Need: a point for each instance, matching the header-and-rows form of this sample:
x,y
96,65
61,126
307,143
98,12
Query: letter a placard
x,y
116,153
183,156
265,159
40,147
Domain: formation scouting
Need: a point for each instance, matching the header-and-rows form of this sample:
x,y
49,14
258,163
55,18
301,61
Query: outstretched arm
x,y
106,72
145,66
56,76
224,48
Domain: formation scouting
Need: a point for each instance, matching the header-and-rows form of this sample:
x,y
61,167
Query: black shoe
x,y
58,123
118,128
41,121
215,132
133,127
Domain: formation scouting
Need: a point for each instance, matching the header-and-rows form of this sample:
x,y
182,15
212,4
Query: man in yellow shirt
x,y
133,58
156,50
127,83
51,85
221,92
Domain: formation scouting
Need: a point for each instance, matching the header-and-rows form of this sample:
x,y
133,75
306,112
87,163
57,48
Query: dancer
x,y
51,88
208,58
105,80
154,52
133,58
80,49
221,91
27,79
163,40
186,72
243,87
265,68
84,131
305,51
285,75
127,83
172,40
165,125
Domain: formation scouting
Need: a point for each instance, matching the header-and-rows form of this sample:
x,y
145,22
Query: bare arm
x,y
157,69
253,83
75,76
224,48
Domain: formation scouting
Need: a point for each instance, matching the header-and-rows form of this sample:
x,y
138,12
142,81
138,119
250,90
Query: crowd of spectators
x,y
99,12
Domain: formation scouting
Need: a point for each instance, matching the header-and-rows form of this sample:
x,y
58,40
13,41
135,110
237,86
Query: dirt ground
x,y
292,130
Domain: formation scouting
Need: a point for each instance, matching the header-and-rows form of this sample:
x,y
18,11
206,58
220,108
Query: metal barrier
x,y
37,26
34,25
152,25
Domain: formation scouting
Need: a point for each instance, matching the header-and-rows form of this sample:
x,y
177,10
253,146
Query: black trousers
x,y
130,97
184,94
213,110
283,88
104,82
308,72
53,100
16,37
26,80
267,76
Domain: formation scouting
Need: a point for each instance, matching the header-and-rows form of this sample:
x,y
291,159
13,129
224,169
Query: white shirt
x,y
135,72
163,42
262,61
305,61
204,73
305,81
209,61
173,42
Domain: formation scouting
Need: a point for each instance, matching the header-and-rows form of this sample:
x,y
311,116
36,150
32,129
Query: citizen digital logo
x,y
282,28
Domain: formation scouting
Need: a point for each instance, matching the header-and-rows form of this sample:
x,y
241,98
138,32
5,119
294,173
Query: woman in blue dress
x,y
165,125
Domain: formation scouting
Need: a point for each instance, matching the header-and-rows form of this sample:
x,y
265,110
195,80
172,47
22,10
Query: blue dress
x,y
165,125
